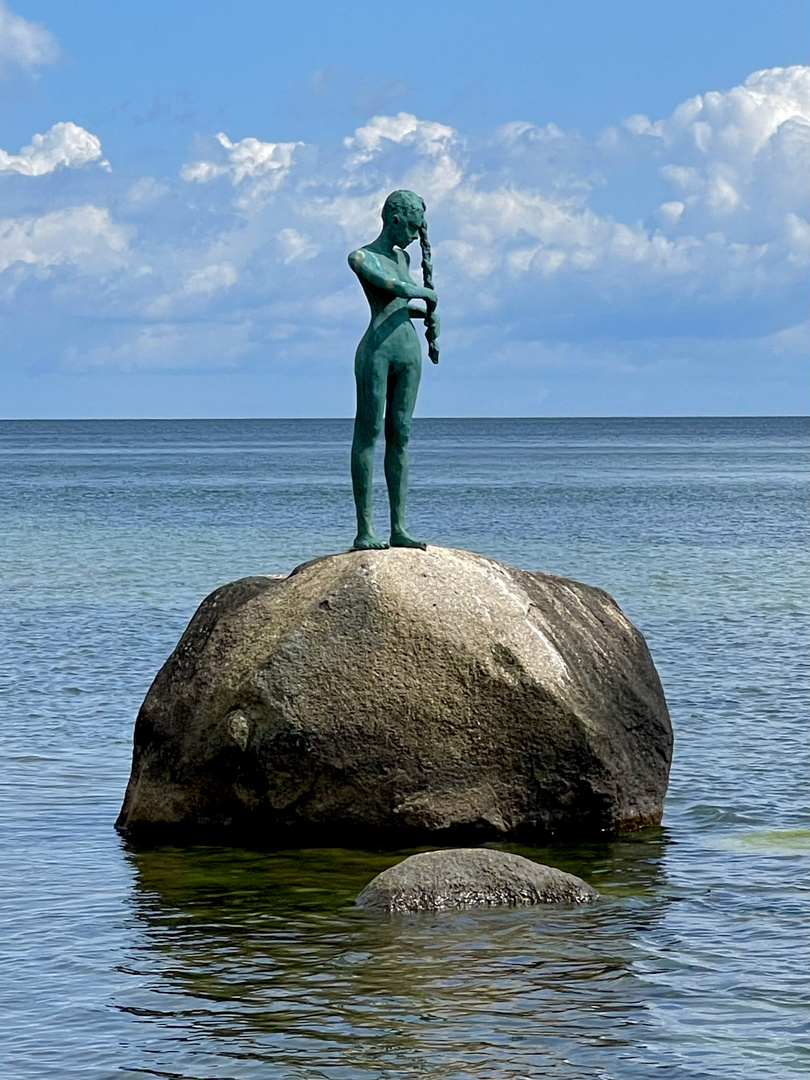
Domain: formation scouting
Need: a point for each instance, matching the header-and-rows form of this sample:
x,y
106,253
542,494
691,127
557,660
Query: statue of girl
x,y
388,361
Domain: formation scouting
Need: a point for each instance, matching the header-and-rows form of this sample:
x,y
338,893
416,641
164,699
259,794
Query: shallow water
x,y
217,963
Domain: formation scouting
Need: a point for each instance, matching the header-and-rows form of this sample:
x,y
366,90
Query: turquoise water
x,y
211,963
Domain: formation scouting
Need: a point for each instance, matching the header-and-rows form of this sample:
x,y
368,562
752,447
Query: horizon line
x,y
241,419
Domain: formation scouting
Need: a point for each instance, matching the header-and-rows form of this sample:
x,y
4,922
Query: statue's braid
x,y
427,281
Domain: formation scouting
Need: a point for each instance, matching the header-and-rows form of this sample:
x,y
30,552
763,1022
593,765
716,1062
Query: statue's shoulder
x,y
360,257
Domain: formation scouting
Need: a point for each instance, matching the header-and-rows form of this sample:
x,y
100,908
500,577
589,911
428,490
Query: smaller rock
x,y
437,880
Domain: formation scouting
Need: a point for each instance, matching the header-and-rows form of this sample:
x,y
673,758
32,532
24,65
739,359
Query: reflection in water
x,y
256,960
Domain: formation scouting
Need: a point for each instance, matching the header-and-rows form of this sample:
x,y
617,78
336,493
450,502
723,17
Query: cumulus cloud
x,y
526,248
742,155
197,286
427,154
248,158
514,227
426,136
24,45
64,145
736,124
84,236
524,191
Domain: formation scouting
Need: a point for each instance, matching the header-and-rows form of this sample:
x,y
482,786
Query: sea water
x,y
209,962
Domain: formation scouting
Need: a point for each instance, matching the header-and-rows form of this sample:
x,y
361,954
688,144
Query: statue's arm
x,y
427,312
414,312
421,313
367,267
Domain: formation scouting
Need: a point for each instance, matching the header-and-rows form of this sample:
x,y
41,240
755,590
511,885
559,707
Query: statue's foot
x,y
402,539
368,542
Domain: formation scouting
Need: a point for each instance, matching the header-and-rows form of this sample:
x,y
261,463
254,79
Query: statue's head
x,y
403,215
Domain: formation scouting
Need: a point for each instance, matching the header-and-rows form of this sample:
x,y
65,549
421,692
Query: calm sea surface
x,y
210,963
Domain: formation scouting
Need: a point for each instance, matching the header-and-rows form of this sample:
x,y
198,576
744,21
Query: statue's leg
x,y
402,390
371,377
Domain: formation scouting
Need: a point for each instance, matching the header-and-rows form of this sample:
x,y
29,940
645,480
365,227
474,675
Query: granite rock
x,y
465,877
402,695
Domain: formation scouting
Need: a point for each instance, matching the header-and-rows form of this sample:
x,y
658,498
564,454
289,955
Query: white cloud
x,y
296,245
84,236
736,124
65,144
199,285
520,219
168,346
671,211
210,279
146,193
248,158
24,44
433,168
545,158
426,136
797,237
743,153
515,208
793,339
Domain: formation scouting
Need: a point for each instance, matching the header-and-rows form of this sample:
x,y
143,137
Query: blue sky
x,y
617,200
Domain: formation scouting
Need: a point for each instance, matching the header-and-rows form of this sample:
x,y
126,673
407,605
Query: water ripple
x,y
206,962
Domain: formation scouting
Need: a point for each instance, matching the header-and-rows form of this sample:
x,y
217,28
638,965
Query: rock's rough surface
x,y
402,693
437,880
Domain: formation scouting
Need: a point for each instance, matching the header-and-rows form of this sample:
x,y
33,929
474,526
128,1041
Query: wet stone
x,y
467,877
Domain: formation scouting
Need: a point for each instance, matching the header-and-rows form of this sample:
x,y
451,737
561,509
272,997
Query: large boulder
x,y
465,877
385,696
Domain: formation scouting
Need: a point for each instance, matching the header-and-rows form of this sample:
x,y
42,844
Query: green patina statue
x,y
388,362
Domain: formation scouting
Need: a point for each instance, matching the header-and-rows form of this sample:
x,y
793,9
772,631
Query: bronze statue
x,y
388,361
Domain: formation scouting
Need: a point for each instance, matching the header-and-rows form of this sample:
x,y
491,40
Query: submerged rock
x,y
402,695
437,880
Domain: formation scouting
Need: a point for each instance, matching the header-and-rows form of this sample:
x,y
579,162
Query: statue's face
x,y
404,227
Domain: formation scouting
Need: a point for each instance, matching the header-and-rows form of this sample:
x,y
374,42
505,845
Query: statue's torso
x,y
390,334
